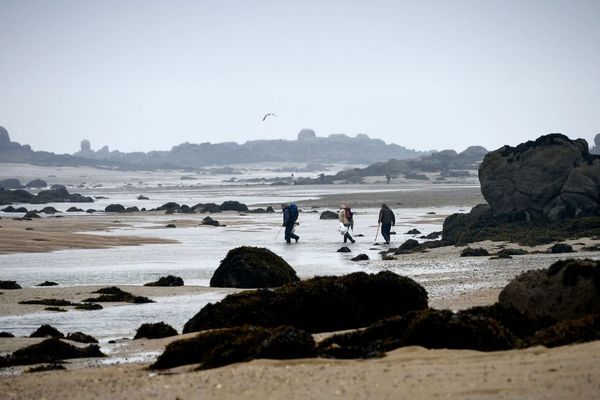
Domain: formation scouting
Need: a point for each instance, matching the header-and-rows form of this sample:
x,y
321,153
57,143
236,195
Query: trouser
x,y
347,235
385,231
289,234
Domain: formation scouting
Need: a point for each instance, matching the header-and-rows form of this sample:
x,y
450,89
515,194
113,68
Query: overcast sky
x,y
148,75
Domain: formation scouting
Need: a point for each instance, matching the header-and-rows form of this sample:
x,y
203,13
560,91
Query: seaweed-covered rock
x,y
559,248
413,232
328,215
320,304
114,208
410,246
169,280
232,205
37,183
429,328
49,302
49,351
74,209
210,221
432,235
568,289
512,252
47,331
244,343
9,285
344,249
584,329
170,206
360,257
88,307
114,294
474,252
155,331
252,267
47,283
81,337
46,367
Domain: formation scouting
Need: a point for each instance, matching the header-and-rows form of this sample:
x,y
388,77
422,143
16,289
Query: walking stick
x,y
278,232
377,233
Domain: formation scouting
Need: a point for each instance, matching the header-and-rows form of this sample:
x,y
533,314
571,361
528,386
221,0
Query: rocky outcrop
x,y
47,331
319,304
81,337
568,289
252,267
59,196
11,183
551,178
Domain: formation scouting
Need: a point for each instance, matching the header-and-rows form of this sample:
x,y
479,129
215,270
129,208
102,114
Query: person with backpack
x,y
346,218
387,219
290,216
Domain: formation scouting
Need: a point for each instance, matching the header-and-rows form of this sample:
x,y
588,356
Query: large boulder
x,y
328,215
252,267
114,208
568,289
320,304
552,178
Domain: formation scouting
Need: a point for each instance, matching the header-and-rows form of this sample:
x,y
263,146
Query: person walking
x,y
346,218
387,219
290,215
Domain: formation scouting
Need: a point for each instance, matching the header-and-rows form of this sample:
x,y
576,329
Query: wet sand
x,y
568,372
51,234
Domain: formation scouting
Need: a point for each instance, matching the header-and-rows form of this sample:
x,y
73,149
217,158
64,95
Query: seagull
x,y
268,115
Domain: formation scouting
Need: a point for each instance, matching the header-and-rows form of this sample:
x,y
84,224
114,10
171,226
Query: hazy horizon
x,y
148,75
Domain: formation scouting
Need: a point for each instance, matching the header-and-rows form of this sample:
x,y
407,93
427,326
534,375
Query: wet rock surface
x,y
114,294
9,285
155,331
318,304
568,289
474,252
551,178
328,215
47,331
81,337
225,346
252,267
169,280
49,351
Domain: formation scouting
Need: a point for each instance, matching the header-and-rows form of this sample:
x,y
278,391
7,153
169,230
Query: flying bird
x,y
268,115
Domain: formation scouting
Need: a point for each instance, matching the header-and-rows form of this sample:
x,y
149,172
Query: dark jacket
x,y
287,217
386,216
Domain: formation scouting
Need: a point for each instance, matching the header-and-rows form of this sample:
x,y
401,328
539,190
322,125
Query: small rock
x,y
360,257
344,250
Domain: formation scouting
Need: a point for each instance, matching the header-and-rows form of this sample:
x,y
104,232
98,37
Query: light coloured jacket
x,y
342,217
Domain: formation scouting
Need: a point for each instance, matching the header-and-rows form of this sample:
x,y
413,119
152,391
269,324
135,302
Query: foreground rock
x,y
252,267
568,289
49,351
225,346
317,305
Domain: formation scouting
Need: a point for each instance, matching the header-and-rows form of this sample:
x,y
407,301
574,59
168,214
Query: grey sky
x,y
147,75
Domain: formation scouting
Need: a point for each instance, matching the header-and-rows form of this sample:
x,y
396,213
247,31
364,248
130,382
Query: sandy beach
x,y
411,372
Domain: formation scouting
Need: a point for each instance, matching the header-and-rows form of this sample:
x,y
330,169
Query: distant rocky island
x,y
308,147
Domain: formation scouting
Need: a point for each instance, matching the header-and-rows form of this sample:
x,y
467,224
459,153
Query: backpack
x,y
293,212
349,214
